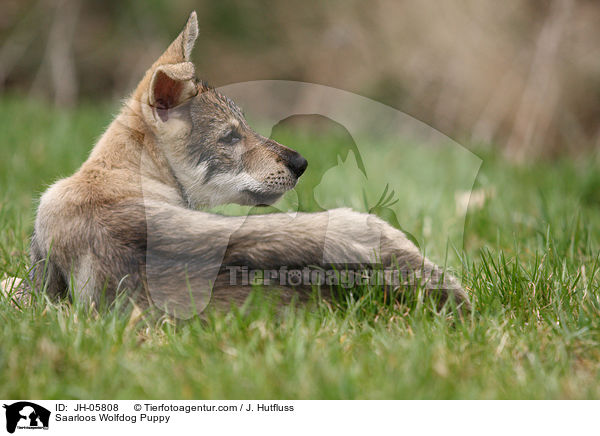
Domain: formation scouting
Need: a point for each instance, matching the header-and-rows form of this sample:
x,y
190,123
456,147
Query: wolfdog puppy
x,y
129,220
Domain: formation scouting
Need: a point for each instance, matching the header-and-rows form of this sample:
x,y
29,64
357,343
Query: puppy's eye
x,y
230,138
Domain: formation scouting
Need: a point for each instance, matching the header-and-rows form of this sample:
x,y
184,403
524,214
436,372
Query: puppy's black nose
x,y
297,164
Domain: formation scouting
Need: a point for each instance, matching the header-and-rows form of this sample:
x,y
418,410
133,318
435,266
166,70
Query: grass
x,y
528,256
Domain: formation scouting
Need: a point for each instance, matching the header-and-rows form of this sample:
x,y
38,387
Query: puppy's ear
x,y
180,49
170,86
169,80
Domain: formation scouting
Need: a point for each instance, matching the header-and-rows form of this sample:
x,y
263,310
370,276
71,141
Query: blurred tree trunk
x,y
537,107
57,70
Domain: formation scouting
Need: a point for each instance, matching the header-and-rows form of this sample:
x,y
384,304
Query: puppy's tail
x,y
16,291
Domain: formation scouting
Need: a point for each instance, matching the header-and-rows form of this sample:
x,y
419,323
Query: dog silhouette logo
x,y
26,415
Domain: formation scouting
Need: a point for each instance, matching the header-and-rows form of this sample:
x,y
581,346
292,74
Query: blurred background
x,y
521,75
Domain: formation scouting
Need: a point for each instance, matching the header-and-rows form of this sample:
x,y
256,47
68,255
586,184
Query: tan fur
x,y
126,219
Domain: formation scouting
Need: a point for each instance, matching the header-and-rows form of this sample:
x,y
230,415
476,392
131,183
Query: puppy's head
x,y
213,153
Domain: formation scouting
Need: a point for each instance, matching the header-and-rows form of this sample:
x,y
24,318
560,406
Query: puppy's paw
x,y
459,298
14,288
9,284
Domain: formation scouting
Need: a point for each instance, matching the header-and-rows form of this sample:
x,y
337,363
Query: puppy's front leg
x,y
337,237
